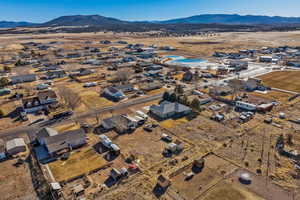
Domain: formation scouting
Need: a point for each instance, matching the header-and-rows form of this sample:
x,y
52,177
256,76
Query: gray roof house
x,y
120,123
168,109
125,88
44,133
113,94
23,78
65,141
15,146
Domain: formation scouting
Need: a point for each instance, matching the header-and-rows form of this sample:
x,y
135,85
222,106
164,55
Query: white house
x,y
245,106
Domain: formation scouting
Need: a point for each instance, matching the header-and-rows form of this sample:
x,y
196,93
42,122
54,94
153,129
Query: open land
x,y
229,145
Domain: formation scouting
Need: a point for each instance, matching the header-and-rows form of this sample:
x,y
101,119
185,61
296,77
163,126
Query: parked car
x,y
166,138
148,128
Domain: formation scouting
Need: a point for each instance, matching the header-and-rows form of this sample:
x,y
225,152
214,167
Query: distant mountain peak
x,y
233,19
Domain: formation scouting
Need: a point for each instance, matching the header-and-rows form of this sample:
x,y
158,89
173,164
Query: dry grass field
x,y
286,80
229,192
81,161
15,182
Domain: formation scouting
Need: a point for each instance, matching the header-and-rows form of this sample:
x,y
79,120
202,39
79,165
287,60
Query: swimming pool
x,y
188,60
180,60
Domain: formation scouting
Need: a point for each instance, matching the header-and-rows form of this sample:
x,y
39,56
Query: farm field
x,y
285,80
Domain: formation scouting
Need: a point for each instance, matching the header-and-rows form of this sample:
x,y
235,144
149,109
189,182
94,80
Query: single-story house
x,y
113,94
125,88
154,67
238,65
66,141
15,146
119,123
151,86
23,78
220,90
55,74
168,109
45,133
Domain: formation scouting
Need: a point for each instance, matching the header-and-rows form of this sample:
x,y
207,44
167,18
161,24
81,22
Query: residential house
x,y
82,72
15,146
238,65
23,78
105,42
168,109
254,84
220,90
267,59
245,106
120,123
40,101
293,63
45,133
151,86
73,55
60,143
55,74
113,94
125,88
152,67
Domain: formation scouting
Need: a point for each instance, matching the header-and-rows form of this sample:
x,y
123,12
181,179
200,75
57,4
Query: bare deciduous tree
x,y
123,75
71,99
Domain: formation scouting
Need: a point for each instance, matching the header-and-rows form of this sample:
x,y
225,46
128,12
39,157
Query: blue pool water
x,y
172,56
188,60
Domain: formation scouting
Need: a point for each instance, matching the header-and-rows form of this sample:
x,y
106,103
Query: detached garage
x,y
15,146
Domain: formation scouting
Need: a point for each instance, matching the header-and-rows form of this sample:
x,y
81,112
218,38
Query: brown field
x,y
134,144
15,182
211,174
286,80
228,191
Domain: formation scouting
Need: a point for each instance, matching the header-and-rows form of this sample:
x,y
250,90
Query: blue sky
x,y
44,10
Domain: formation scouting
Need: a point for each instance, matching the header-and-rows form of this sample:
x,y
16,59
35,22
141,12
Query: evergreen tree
x,y
166,96
195,104
173,97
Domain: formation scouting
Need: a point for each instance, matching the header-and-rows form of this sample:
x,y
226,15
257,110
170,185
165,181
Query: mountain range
x,y
234,19
9,24
101,21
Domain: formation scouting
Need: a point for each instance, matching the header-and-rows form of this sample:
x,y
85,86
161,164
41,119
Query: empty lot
x,y
286,80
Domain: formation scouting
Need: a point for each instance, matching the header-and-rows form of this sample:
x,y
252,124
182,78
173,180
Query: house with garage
x,y
57,144
166,110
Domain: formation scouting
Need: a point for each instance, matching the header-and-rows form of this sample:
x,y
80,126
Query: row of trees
x,y
183,99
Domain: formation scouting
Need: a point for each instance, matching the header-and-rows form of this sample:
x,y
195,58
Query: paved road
x,y
254,69
31,130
